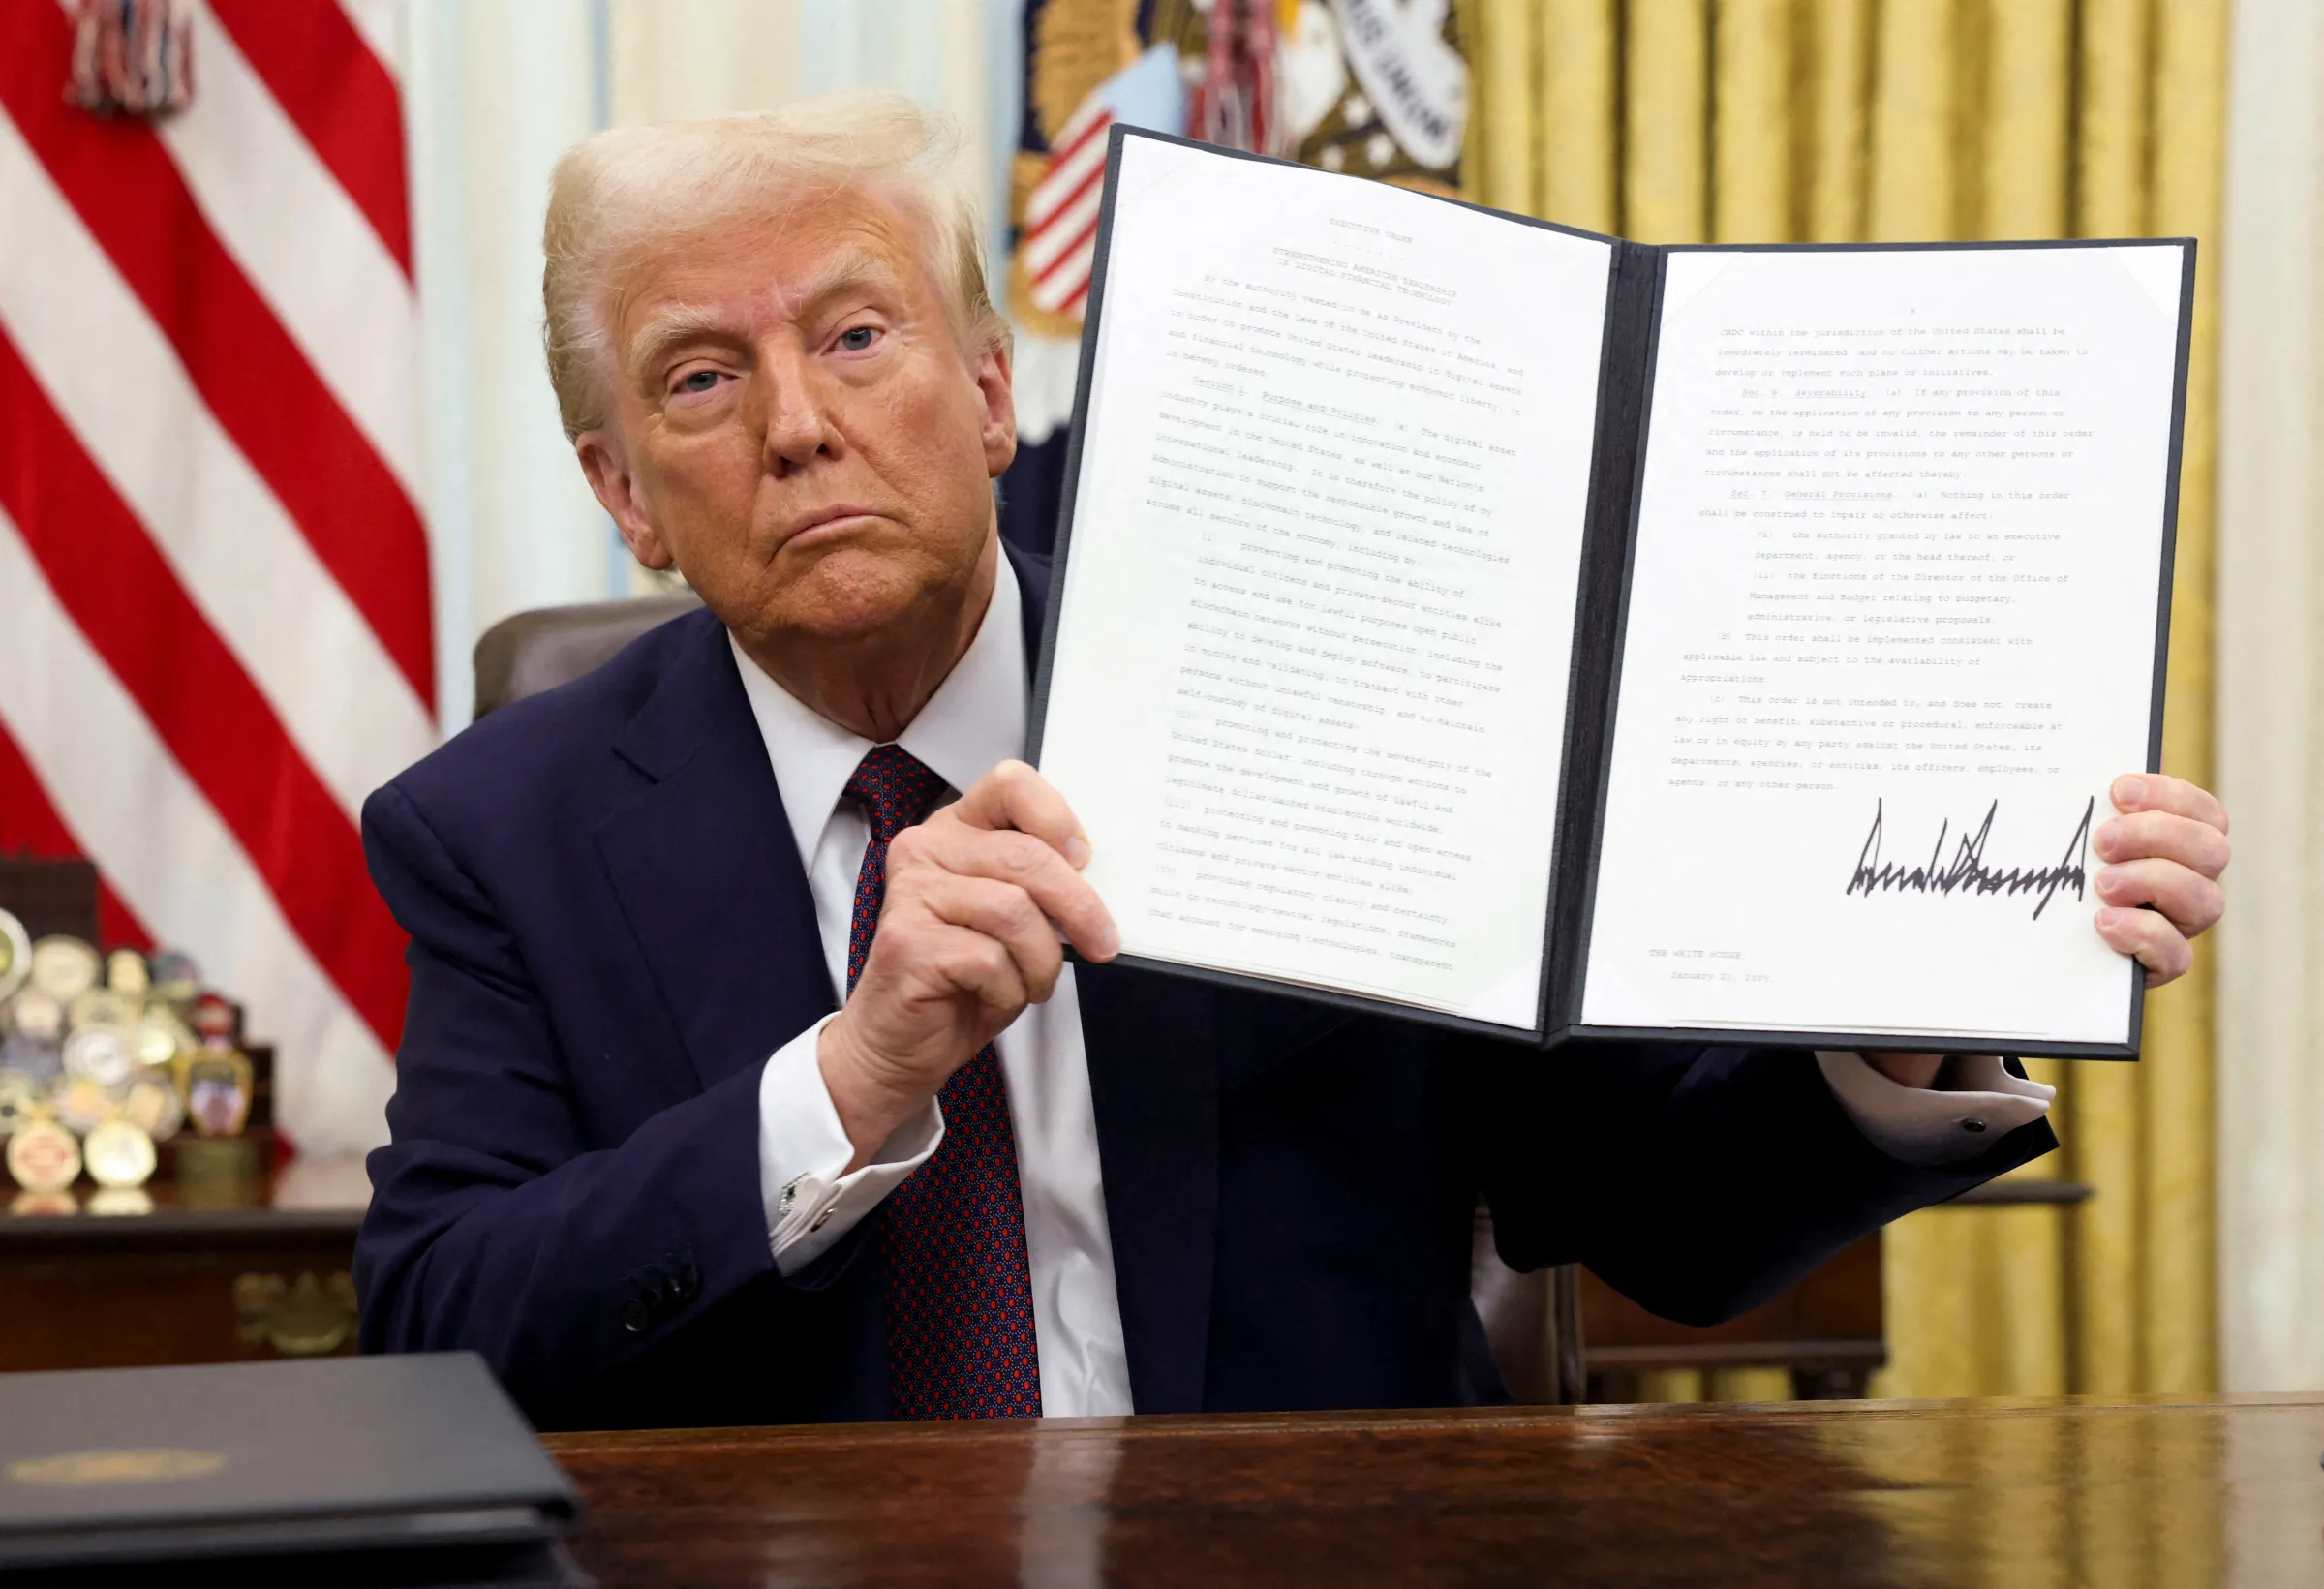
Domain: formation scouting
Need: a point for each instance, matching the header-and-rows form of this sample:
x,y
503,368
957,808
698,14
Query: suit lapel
x,y
704,866
703,863
1152,1044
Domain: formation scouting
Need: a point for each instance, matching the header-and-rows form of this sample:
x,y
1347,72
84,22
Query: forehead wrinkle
x,y
846,271
675,324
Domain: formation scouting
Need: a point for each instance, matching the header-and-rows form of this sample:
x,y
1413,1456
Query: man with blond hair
x,y
744,1079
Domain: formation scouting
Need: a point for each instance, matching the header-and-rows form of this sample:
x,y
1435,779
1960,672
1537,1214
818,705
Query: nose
x,y
798,427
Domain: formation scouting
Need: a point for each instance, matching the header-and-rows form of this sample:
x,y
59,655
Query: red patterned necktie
x,y
959,1293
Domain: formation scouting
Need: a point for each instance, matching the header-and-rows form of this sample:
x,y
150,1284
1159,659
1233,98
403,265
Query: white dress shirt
x,y
976,719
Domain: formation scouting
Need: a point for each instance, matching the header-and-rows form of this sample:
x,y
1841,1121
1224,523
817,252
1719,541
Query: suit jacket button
x,y
649,1296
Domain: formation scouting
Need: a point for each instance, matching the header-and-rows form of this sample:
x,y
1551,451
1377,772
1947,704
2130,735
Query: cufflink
x,y
790,1194
820,1220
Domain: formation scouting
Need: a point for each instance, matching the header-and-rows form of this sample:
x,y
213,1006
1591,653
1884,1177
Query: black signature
x,y
1967,871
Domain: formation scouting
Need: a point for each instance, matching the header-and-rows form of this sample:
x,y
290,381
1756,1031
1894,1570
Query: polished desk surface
x,y
2155,1492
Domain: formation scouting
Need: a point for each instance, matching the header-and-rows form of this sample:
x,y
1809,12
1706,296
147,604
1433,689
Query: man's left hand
x,y
2166,850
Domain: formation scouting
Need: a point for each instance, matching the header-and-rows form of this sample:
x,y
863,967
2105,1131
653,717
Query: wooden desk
x,y
224,1269
2159,1493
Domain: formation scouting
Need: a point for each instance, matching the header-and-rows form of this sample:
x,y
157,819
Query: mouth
x,y
828,524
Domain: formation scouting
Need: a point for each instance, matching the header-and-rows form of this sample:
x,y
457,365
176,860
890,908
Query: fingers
x,y
2162,836
1038,863
2161,792
2148,937
977,963
1006,915
2192,901
1012,795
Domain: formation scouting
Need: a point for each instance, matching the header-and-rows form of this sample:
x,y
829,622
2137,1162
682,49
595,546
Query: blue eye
x,y
701,381
855,339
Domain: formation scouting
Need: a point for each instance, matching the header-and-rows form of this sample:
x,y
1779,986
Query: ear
x,y
607,467
995,385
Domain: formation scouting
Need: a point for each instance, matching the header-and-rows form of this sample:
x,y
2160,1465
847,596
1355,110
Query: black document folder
x,y
388,1471
1554,636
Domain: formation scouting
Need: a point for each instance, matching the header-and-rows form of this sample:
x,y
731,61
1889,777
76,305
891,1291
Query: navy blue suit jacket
x,y
611,931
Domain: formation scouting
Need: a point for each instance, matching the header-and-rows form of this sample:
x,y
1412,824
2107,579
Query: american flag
x,y
1060,242
215,630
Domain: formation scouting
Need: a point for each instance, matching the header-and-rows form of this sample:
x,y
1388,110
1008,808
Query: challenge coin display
x,y
16,954
64,969
104,1055
43,1157
118,1155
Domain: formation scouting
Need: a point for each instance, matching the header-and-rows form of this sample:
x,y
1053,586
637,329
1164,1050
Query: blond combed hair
x,y
628,191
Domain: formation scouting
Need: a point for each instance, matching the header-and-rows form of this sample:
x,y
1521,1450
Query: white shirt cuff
x,y
1974,1101
803,1149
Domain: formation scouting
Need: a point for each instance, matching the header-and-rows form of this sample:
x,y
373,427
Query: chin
x,y
849,594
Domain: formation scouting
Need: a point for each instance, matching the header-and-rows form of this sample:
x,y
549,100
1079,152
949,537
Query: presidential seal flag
x,y
215,628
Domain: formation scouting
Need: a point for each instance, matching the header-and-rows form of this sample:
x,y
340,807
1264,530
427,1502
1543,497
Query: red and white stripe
x,y
215,633
1059,245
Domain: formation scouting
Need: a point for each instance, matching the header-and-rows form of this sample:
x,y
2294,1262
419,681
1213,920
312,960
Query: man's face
x,y
794,425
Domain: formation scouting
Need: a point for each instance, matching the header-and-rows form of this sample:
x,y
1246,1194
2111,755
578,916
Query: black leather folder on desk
x,y
375,1471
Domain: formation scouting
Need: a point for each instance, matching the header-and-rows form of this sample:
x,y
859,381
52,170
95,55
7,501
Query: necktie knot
x,y
895,788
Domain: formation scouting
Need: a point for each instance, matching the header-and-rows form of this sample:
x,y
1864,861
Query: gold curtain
x,y
1902,120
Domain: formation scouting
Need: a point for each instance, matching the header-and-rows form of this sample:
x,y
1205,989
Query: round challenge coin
x,y
64,969
16,954
82,1106
43,1157
98,1054
40,1057
19,1100
175,976
159,1037
126,973
35,1015
118,1155
153,1105
103,1007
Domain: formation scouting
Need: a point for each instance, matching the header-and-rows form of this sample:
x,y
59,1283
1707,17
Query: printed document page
x,y
1891,635
1309,689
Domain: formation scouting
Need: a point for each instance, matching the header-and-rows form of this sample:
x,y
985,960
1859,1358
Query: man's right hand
x,y
964,944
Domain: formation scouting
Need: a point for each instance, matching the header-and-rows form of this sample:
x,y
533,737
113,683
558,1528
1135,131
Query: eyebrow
x,y
684,322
